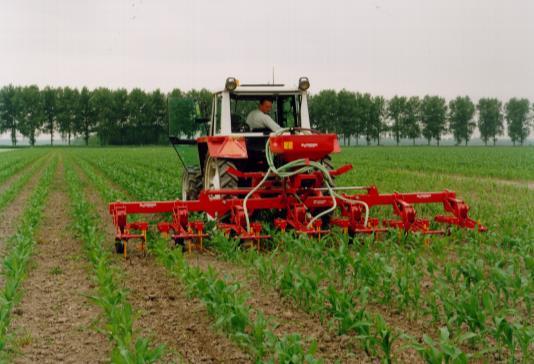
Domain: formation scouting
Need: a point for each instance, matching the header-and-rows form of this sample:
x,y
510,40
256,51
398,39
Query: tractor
x,y
247,178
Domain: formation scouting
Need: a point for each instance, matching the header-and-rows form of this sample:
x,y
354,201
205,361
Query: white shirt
x,y
256,119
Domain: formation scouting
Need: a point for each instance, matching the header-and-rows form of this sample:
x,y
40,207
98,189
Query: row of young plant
x,y
142,189
10,166
14,188
310,271
311,288
143,182
389,277
468,292
129,347
224,301
387,268
18,253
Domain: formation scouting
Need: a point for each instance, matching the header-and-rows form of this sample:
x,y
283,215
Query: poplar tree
x,y
461,123
517,119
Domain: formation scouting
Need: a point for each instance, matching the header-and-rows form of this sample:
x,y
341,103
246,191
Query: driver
x,y
259,119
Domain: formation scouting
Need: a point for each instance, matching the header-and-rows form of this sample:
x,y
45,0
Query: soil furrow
x,y
166,313
11,179
55,321
11,214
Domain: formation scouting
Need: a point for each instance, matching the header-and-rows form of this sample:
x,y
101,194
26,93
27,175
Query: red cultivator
x,y
293,202
285,177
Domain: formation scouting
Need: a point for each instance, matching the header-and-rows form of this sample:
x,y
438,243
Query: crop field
x,y
67,297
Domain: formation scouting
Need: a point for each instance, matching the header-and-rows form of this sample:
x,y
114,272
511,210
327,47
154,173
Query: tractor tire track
x,y
525,184
55,319
166,313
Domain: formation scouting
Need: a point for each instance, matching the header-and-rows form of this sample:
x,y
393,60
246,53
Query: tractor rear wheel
x,y
216,175
191,183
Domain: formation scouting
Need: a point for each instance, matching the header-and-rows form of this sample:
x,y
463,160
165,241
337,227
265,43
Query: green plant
x,y
386,337
226,303
19,250
128,347
444,349
289,350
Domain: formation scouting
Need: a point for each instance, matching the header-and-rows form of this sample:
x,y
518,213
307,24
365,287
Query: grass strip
x,y
110,296
20,248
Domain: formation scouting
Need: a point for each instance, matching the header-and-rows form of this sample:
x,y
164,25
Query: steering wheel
x,y
294,131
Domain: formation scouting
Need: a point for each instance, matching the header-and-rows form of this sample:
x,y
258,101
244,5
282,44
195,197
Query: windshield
x,y
285,110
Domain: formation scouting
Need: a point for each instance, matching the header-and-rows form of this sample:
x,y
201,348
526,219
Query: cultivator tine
x,y
126,231
190,234
352,215
409,221
459,209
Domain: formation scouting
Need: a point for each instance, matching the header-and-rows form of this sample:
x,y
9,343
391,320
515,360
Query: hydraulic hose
x,y
300,166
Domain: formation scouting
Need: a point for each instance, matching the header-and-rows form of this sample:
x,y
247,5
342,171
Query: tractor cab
x,y
230,144
231,106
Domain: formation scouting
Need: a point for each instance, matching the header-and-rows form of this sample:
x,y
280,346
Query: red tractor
x,y
283,178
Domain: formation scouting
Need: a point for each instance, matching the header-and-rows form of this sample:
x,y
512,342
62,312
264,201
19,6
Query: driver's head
x,y
266,104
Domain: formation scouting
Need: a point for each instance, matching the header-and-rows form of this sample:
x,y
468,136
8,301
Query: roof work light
x,y
231,83
304,83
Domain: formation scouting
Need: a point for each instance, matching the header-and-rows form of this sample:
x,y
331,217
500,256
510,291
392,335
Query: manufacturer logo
x,y
147,204
309,145
424,195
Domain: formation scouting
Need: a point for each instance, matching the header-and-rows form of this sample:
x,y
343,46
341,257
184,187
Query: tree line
x,y
119,117
352,114
116,117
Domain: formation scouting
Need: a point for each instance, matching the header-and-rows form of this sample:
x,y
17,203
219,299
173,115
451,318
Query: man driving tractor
x,y
259,118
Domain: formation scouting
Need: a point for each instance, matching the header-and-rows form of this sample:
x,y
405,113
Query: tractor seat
x,y
238,125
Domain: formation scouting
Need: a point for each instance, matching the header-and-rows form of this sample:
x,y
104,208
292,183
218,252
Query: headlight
x,y
304,83
231,83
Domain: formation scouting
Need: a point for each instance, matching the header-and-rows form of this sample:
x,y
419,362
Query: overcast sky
x,y
386,47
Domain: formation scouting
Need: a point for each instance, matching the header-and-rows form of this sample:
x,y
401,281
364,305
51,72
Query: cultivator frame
x,y
295,199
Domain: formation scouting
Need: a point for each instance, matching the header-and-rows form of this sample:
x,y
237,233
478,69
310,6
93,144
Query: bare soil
x,y
55,321
10,215
166,313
